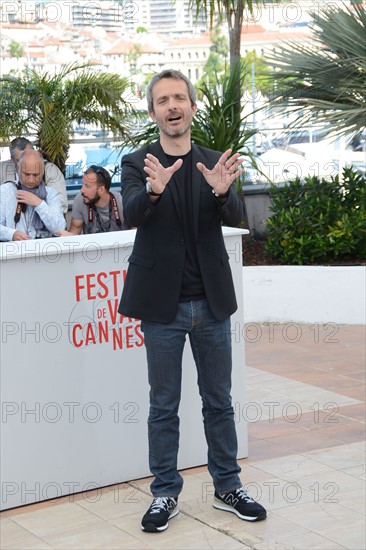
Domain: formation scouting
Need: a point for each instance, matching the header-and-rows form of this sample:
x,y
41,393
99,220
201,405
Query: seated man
x,y
53,176
96,209
28,209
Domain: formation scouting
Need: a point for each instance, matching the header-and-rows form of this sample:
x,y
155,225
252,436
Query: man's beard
x,y
174,133
93,201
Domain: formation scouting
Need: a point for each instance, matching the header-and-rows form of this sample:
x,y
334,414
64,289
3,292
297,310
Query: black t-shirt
x,y
192,286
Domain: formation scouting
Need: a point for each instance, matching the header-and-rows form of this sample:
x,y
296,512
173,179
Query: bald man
x,y
53,177
29,209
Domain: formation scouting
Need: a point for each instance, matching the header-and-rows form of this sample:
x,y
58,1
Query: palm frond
x,y
324,81
217,125
49,105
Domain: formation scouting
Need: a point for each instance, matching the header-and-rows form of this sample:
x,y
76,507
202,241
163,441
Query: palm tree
x,y
16,49
233,10
215,124
325,81
49,106
218,126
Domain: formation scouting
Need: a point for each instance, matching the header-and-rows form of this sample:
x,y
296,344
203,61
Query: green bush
x,y
319,220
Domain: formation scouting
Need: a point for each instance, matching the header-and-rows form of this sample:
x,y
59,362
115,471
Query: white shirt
x,y
53,177
49,210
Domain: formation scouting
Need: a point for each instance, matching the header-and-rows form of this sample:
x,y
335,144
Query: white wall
x,y
73,380
305,294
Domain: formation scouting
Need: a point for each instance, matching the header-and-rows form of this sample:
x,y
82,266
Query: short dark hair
x,y
103,176
19,143
169,73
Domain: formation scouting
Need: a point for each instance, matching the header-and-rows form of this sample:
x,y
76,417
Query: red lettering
x,y
129,336
113,310
89,286
130,319
140,338
92,280
117,338
76,343
103,331
115,286
78,286
101,276
90,336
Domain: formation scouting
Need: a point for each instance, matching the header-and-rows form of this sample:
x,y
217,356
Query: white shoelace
x,y
241,492
160,503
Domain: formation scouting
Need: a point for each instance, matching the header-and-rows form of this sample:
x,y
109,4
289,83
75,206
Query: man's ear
x,y
152,116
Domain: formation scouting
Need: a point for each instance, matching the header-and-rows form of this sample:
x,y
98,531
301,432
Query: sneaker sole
x,y
151,528
226,508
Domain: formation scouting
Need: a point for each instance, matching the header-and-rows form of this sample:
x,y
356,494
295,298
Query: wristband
x,y
150,191
223,196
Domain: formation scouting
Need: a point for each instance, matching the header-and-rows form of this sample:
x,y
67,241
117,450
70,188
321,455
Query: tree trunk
x,y
235,22
59,159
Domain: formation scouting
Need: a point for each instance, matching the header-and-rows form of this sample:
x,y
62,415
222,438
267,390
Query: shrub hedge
x,y
318,220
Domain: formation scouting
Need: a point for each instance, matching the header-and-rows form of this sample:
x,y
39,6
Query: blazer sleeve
x,y
137,207
232,210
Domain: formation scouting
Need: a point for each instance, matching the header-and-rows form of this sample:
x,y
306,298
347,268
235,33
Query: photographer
x,y
96,209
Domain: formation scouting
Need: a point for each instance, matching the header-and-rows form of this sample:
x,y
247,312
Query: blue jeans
x,y
211,346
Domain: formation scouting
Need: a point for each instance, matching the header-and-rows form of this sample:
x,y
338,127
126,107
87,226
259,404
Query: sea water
x,y
83,155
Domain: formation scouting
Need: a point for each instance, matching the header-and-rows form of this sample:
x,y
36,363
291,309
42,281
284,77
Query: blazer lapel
x,y
157,150
197,179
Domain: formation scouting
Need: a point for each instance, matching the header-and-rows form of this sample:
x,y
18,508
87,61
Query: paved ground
x,y
306,413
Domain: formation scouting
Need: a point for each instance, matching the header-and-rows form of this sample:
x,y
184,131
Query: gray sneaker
x,y
161,510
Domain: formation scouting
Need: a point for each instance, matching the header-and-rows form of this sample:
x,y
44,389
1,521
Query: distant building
x,y
174,16
155,52
130,56
189,55
91,33
168,16
108,15
255,38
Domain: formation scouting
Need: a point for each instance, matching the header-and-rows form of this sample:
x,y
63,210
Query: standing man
x,y
179,282
96,209
28,209
52,177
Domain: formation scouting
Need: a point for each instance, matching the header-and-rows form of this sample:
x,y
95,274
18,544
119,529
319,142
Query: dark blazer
x,y
154,277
